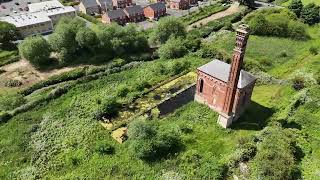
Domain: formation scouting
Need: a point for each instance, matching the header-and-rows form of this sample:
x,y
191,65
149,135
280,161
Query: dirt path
x,y
234,8
27,74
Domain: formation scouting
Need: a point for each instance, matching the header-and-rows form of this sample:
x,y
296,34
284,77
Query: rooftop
x,y
157,6
115,14
46,5
220,70
89,3
21,20
60,10
134,9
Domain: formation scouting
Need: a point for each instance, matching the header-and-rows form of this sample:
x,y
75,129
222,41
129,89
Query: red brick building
x,y
226,88
134,13
117,16
155,11
179,4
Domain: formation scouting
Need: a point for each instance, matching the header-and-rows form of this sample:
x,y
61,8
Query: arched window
x,y
201,86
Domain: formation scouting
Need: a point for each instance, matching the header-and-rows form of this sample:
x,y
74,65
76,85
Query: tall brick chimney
x,y
236,64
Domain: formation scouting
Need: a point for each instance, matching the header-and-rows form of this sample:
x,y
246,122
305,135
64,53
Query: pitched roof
x,y
105,2
220,70
115,14
89,3
134,9
157,6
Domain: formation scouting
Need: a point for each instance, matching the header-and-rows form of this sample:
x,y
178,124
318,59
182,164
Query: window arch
x,y
201,86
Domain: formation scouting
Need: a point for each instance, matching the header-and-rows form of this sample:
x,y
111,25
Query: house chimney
x,y
236,64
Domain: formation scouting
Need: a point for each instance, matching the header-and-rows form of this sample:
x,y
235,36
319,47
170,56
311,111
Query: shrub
x,y
310,14
313,50
4,117
173,48
122,91
179,67
275,148
12,83
150,143
140,86
168,27
104,148
36,50
276,22
109,109
298,83
118,62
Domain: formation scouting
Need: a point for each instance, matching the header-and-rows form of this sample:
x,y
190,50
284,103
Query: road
x,y
234,8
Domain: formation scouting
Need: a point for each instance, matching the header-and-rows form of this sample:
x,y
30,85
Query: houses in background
x,y
135,13
117,16
40,17
93,7
181,4
155,11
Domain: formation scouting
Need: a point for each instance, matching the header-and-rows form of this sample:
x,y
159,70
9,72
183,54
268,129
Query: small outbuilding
x,y
226,88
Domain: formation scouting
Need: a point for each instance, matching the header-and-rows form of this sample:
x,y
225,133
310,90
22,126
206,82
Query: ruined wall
x,y
179,99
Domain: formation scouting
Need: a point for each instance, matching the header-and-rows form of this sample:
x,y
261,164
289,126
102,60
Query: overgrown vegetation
x,y
277,22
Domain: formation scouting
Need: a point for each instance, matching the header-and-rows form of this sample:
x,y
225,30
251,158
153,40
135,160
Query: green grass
x,y
203,13
7,57
305,2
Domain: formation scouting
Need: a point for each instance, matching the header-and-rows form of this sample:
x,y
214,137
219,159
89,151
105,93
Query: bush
x,y
173,48
275,22
298,83
140,86
122,91
168,27
36,50
12,83
149,142
179,67
4,117
104,148
274,150
109,109
118,62
313,50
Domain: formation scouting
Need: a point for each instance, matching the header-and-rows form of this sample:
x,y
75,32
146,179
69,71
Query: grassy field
x,y
7,57
305,2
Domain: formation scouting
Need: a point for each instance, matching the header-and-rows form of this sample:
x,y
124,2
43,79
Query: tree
x,y
296,6
166,28
63,40
8,33
249,3
36,50
87,39
173,48
310,14
258,25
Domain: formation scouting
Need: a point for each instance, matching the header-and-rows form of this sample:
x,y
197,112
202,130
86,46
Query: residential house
x,y
134,13
117,16
179,4
89,7
121,3
155,11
